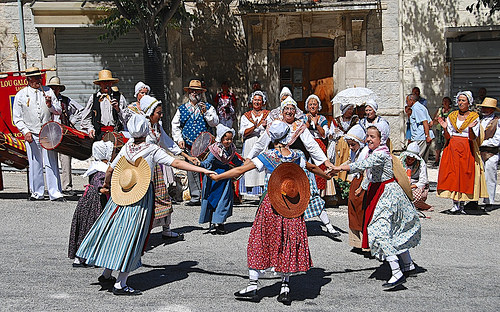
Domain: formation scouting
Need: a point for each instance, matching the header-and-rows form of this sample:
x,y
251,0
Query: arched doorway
x,y
306,67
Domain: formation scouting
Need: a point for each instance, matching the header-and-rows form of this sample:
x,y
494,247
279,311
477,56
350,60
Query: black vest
x,y
96,118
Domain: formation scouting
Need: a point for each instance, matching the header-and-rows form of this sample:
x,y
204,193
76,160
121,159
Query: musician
x,y
106,111
34,105
191,119
71,113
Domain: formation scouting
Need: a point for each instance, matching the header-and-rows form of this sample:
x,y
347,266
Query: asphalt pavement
x,y
458,261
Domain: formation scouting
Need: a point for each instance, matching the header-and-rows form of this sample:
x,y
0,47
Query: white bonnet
x,y
285,91
384,129
357,134
372,104
345,107
148,104
468,94
259,93
138,126
313,96
222,130
288,101
139,86
102,150
278,131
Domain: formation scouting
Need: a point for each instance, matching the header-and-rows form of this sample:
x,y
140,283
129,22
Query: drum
x,y
201,144
118,140
66,140
13,151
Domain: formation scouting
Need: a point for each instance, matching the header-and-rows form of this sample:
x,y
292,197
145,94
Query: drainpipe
x,y
401,67
21,26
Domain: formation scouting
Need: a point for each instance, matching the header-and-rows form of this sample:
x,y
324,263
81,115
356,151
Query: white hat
x,y
385,131
138,126
288,101
148,104
139,86
312,96
468,94
261,94
222,130
345,107
413,148
285,91
372,104
278,131
357,134
102,150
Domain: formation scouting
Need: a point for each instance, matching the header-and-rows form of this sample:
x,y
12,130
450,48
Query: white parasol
x,y
354,96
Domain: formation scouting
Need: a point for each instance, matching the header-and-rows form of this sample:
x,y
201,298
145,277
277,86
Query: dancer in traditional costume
x,y
252,124
461,172
278,241
91,204
301,139
416,169
391,224
116,240
217,196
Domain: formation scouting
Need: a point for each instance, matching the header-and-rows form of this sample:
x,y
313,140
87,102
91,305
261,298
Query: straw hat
x,y
56,82
289,190
105,75
32,71
490,102
194,85
130,182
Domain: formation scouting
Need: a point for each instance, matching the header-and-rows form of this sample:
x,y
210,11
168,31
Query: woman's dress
x,y
276,241
217,196
117,238
391,224
461,171
252,182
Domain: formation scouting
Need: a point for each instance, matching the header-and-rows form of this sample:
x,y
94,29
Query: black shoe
x,y
60,199
190,203
126,291
80,265
284,298
33,198
69,193
410,273
180,236
219,229
247,296
106,282
400,281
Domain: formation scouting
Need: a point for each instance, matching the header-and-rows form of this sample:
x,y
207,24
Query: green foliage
x,y
343,187
493,5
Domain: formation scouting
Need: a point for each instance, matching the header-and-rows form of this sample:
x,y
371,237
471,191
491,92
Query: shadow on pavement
x,y
314,228
165,274
4,195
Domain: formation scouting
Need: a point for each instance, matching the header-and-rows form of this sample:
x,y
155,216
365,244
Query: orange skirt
x,y
456,170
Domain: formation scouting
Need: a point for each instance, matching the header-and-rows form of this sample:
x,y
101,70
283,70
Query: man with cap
x,y
71,113
191,119
490,147
34,106
106,111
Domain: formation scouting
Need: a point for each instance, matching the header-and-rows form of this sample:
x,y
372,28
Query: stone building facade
x,y
388,46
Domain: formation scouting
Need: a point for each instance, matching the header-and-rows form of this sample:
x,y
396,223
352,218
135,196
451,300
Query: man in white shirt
x,y
490,147
34,106
106,111
71,113
191,119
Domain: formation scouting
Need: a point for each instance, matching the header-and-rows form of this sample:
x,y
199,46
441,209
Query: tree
x,y
493,5
150,18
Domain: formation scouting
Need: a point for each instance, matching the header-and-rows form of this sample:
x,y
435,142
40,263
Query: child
x,y
416,169
92,202
117,238
391,222
217,196
275,241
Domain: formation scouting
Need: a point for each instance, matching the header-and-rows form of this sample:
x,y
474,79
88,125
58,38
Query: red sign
x,y
9,86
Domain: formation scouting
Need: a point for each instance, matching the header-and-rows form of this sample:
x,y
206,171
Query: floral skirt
x,y
278,242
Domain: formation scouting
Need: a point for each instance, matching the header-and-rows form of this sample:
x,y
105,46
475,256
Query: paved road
x,y
459,255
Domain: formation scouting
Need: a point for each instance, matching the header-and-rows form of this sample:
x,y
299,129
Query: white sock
x,y
396,270
121,280
77,260
107,273
323,216
456,206
407,261
285,279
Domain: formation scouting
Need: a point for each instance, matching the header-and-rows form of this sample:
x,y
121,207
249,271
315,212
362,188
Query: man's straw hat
x,y
289,190
104,76
490,102
194,85
32,71
56,82
130,182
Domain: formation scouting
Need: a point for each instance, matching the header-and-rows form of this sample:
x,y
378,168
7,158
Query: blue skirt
x,y
117,238
217,199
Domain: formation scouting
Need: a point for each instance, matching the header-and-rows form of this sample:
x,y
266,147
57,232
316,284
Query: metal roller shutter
x,y
80,55
476,65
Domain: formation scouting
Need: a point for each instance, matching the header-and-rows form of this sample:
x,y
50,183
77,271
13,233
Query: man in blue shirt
x,y
419,125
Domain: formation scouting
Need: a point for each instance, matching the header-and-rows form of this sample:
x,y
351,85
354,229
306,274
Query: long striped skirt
x,y
117,238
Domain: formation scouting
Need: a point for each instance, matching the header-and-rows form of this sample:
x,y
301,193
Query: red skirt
x,y
456,169
320,182
278,242
375,190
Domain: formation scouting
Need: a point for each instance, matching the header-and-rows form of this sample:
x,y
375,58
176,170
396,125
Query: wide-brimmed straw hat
x,y
194,85
32,71
288,190
490,102
104,76
130,182
56,82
